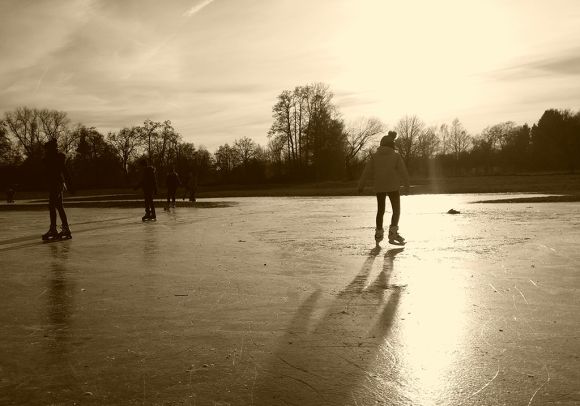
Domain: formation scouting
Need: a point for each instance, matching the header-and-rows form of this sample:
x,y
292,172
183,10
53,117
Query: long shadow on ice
x,y
342,357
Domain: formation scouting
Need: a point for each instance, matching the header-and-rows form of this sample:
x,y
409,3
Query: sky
x,y
215,67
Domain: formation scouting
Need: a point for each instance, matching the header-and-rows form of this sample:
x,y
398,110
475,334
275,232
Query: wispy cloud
x,y
197,8
564,63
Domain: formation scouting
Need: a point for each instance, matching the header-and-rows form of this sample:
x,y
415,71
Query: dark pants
x,y
395,199
149,204
171,195
54,204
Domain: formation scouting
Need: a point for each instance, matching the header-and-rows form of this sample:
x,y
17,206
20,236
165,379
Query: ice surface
x,y
271,301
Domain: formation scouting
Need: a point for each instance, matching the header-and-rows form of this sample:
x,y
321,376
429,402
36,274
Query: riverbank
x,y
557,184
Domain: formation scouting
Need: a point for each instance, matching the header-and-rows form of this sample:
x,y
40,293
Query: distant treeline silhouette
x,y
308,141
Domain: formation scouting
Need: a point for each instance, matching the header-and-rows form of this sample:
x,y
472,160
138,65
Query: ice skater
x,y
191,187
173,182
149,185
387,169
10,192
58,180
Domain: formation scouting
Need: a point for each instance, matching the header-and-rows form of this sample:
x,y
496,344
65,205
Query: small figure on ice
x,y
172,181
191,187
388,171
57,179
149,185
10,192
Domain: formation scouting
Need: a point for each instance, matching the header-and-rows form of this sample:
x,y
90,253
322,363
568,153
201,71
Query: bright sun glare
x,y
420,57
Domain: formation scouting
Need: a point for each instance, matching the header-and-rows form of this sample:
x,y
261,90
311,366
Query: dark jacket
x,y
172,181
55,172
387,169
149,180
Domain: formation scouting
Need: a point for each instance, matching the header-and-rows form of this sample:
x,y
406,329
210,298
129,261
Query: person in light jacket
x,y
388,171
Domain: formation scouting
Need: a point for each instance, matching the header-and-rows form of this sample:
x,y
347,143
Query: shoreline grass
x,y
559,184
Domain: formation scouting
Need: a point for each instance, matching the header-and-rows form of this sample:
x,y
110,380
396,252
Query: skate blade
x,y
56,239
400,244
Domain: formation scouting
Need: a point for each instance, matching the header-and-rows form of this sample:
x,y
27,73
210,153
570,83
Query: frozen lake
x,y
286,301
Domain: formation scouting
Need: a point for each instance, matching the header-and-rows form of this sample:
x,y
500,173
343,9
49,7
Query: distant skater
x,y
387,169
192,186
149,185
57,179
10,192
173,182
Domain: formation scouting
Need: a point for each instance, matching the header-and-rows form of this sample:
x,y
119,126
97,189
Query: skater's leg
x,y
152,206
52,196
60,207
395,199
381,198
394,236
147,198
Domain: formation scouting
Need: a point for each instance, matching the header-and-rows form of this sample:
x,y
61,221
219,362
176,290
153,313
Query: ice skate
x,y
394,236
51,234
65,233
146,217
379,235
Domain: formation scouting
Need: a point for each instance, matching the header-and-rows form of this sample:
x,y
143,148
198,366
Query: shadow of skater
x,y
58,333
342,357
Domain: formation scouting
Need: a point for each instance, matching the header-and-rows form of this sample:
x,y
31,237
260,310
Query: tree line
x,y
307,141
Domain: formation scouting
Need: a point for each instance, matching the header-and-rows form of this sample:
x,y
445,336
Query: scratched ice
x,y
267,301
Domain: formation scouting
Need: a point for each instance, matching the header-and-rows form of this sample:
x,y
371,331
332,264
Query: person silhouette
x,y
388,171
192,186
58,180
10,192
149,185
172,181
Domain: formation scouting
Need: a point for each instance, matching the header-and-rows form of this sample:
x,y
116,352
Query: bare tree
x,y
165,144
359,134
126,144
8,153
224,159
301,120
459,140
245,149
148,133
22,124
54,123
427,143
444,139
409,128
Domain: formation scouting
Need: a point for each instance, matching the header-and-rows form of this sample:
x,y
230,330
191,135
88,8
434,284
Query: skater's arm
x,y
367,172
66,176
404,174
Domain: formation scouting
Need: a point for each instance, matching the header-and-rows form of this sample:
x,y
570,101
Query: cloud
x,y
197,8
564,63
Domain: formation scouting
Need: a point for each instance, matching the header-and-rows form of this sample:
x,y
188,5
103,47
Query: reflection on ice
x,y
282,300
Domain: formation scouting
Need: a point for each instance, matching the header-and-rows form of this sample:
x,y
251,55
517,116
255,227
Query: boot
x,y
65,232
394,236
379,234
51,234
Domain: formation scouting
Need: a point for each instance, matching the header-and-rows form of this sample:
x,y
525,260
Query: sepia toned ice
x,y
287,301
